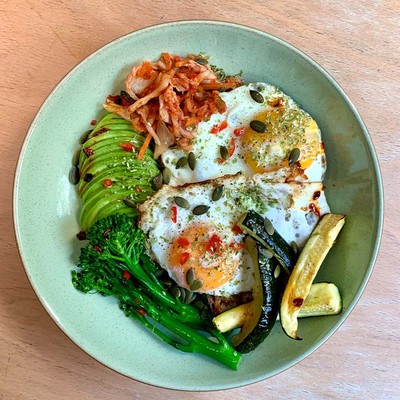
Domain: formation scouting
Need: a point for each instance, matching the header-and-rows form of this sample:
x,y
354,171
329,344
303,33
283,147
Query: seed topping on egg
x,y
201,209
294,155
258,126
181,202
256,96
255,134
192,160
217,193
182,162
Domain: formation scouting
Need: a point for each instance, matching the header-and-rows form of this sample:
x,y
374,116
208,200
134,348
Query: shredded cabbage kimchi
x,y
167,99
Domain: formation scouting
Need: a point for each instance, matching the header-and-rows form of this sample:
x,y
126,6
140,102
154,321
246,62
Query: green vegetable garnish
x,y
115,263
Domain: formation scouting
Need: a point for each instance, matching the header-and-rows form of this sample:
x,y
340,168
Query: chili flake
x,y
88,151
81,235
232,147
237,230
238,131
235,246
127,146
183,242
97,248
218,127
314,209
174,211
214,244
184,257
126,274
298,302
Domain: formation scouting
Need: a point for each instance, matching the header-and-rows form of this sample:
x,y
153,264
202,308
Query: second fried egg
x,y
262,131
189,231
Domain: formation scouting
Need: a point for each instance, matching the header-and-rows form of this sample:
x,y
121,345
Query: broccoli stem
x,y
216,347
123,290
131,262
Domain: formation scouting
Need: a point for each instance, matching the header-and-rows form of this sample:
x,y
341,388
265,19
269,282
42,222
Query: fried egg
x,y
189,231
262,131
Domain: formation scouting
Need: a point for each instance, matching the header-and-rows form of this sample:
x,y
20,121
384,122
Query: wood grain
x,y
357,42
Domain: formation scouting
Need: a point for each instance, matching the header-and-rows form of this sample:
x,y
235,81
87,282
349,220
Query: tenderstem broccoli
x,y
115,263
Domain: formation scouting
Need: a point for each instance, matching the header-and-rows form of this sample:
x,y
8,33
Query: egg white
x,y
241,110
286,205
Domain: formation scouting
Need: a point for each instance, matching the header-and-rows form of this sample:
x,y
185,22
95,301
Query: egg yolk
x,y
203,250
286,129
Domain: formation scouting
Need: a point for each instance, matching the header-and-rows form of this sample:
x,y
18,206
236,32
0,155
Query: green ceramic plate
x,y
46,206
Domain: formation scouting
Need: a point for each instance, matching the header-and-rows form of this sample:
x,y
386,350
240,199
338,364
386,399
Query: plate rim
x,y
367,137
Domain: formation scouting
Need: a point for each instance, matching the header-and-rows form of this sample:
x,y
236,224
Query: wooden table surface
x,y
357,42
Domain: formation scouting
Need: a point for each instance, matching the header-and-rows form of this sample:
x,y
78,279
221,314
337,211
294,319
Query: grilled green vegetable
x,y
257,317
264,233
305,270
269,252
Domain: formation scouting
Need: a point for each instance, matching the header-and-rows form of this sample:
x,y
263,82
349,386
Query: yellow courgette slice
x,y
324,299
250,312
234,318
305,270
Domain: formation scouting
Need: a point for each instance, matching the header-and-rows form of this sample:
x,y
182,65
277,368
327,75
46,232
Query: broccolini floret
x,y
115,263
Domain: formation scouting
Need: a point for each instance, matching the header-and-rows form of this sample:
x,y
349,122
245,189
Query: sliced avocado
x,y
142,169
118,178
103,158
91,210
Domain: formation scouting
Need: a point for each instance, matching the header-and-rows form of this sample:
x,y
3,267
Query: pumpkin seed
x,y
191,160
294,155
197,284
190,296
75,158
224,152
85,136
277,271
157,182
183,294
199,210
190,276
166,174
74,175
182,162
257,96
181,202
258,126
217,193
294,246
130,203
269,227
202,61
267,253
175,291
